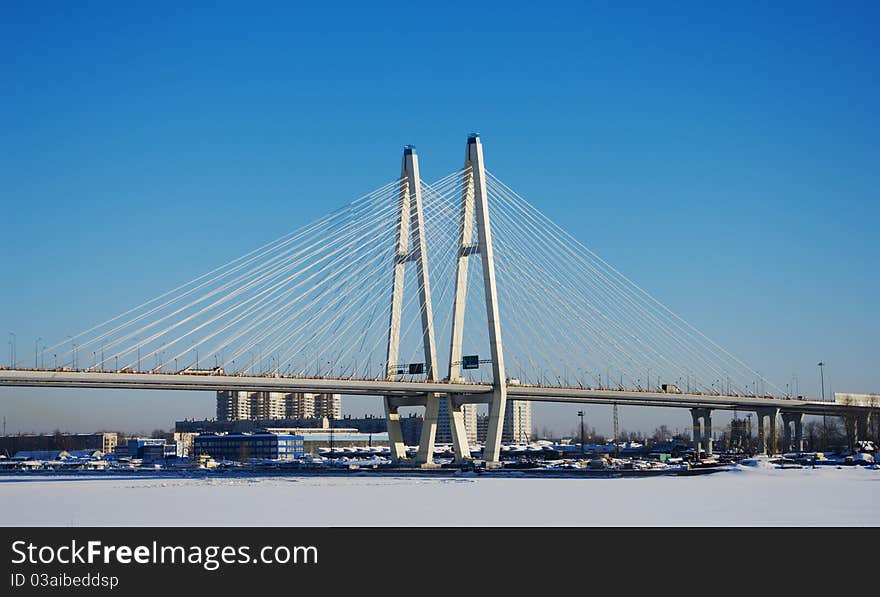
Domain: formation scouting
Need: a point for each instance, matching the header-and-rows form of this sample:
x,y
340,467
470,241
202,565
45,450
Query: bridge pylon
x,y
411,246
475,203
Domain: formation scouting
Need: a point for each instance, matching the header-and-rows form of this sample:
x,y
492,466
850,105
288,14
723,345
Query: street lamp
x,y
332,362
821,366
581,415
12,349
36,350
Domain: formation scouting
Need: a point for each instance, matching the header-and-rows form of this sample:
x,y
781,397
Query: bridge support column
x,y
862,426
849,425
695,426
702,422
395,432
458,428
425,455
762,440
707,431
793,432
856,428
799,433
767,445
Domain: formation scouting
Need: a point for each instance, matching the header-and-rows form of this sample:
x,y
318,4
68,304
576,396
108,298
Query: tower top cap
x,y
473,137
409,149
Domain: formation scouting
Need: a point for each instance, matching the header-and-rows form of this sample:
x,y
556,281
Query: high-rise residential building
x,y
326,405
233,405
268,405
444,429
517,421
297,406
242,406
482,427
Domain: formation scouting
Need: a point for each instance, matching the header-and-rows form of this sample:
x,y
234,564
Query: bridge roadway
x,y
407,393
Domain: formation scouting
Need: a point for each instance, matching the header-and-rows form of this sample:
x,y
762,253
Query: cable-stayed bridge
x,y
457,291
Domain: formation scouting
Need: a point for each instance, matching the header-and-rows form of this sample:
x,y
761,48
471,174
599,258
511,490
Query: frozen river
x,y
745,496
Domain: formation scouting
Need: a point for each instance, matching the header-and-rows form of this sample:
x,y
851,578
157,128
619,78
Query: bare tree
x,y
662,434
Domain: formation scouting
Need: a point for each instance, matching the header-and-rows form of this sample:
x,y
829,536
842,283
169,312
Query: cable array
x,y
571,319
313,303
316,303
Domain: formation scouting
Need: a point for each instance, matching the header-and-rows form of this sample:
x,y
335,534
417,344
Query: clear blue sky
x,y
731,153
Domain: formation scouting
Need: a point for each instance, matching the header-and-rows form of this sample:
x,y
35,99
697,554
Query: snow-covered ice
x,y
825,496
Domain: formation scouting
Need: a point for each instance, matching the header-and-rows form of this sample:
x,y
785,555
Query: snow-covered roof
x,y
41,455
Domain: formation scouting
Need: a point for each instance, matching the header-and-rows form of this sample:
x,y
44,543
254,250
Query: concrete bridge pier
x,y
793,432
770,415
702,428
856,428
695,427
395,432
862,425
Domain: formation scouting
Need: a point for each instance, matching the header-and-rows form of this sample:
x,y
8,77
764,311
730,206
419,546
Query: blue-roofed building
x,y
146,448
46,455
86,454
244,446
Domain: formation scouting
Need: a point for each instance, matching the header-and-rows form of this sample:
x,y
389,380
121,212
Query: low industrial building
x,y
314,439
103,441
41,455
148,449
244,446
371,428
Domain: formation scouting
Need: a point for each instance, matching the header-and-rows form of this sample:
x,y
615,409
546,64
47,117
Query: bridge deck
x,y
407,392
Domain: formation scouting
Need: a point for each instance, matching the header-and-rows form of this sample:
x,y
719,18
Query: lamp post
x,y
36,351
334,357
12,349
821,366
581,415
